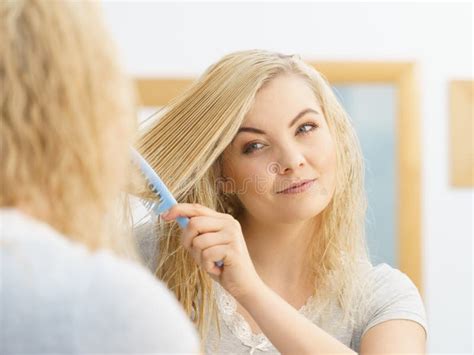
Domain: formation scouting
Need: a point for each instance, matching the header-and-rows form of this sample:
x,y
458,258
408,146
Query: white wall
x,y
184,38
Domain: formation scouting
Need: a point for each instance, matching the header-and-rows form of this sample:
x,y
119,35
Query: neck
x,y
278,251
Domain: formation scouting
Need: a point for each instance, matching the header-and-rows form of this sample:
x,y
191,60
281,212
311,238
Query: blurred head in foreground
x,y
67,118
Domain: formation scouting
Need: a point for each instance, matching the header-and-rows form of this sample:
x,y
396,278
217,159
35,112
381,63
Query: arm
x,y
396,319
274,316
212,236
394,336
288,330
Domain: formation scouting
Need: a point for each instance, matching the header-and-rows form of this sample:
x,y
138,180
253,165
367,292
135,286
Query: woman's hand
x,y
212,236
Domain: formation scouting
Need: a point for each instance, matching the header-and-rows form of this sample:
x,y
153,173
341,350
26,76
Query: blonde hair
x,y
63,94
185,146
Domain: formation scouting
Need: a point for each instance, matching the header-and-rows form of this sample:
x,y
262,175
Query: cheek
x,y
253,178
248,176
328,163
325,156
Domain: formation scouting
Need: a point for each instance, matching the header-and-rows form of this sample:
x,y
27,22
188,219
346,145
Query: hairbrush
x,y
165,198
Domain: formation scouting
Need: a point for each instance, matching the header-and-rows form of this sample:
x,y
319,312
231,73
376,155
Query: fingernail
x,y
165,214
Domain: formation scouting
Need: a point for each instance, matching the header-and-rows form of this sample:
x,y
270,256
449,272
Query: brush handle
x,y
159,188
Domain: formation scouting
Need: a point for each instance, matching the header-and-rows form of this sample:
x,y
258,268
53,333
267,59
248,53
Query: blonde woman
x,y
67,119
266,164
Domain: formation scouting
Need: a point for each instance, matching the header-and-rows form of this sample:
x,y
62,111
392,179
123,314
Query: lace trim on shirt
x,y
241,329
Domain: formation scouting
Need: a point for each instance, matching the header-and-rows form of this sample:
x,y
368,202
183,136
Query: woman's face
x,y
284,139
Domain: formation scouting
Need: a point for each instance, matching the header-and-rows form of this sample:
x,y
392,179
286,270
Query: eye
x,y
312,126
249,148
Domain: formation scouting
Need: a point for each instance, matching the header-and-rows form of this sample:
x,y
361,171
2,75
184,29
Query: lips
x,y
296,184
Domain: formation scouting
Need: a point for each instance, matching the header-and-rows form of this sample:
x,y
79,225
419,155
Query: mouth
x,y
300,186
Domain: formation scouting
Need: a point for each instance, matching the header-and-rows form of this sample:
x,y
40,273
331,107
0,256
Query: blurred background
x,y
402,70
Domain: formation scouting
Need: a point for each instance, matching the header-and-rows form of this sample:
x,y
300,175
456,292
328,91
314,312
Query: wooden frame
x,y
461,97
158,92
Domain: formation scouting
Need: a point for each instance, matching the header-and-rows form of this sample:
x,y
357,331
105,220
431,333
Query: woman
x,y
67,120
267,166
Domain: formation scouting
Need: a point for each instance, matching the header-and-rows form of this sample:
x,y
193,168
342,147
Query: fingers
x,y
191,210
208,235
206,241
200,225
210,255
202,242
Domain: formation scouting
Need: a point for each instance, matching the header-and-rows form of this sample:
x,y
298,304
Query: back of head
x,y
66,114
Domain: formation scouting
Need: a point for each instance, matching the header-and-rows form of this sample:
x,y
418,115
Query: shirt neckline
x,y
240,328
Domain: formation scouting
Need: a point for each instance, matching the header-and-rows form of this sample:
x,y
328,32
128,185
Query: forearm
x,y
288,330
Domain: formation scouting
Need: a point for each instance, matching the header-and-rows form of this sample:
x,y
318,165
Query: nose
x,y
291,159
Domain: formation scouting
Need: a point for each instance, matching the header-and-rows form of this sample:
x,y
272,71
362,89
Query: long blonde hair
x,y
63,94
186,144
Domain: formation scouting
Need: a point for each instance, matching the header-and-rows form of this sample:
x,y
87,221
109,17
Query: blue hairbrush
x,y
165,198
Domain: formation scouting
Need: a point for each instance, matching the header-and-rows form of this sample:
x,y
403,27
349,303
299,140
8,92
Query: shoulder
x,y
384,275
391,294
107,303
384,280
125,302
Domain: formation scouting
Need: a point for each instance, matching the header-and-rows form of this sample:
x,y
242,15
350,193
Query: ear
x,y
225,184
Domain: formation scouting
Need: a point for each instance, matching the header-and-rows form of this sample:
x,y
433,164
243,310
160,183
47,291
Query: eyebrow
x,y
293,121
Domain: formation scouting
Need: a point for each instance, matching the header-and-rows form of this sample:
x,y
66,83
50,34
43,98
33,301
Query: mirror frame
x,y
158,91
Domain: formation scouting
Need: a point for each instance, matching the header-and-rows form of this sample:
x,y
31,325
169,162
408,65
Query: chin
x,y
298,215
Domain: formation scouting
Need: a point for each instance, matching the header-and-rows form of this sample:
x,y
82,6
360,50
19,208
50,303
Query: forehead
x,y
281,98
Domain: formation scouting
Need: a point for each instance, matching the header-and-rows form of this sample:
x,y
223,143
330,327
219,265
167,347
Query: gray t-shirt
x,y
388,294
57,297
